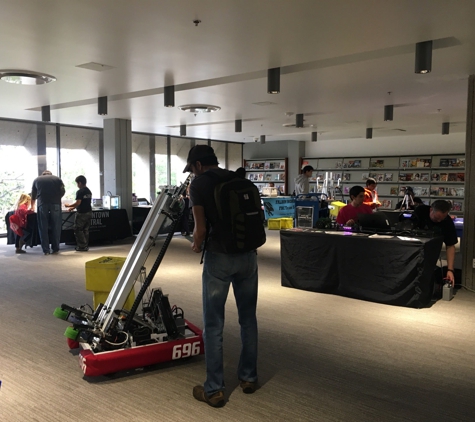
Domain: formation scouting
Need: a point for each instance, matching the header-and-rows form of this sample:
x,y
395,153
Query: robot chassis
x,y
114,339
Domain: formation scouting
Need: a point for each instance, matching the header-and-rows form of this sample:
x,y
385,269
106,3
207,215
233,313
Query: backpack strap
x,y
215,176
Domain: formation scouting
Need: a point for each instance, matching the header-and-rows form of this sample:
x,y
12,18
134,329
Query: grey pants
x,y
82,222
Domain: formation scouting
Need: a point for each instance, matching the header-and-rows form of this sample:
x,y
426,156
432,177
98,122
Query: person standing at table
x,y
370,194
302,185
436,218
48,190
348,215
82,219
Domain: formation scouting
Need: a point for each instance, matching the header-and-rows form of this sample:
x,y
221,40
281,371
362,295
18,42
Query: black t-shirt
x,y
202,193
47,189
85,195
446,228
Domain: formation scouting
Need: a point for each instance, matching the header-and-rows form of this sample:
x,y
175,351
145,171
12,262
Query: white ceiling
x,y
339,60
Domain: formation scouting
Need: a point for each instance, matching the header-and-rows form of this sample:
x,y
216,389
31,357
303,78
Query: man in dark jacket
x,y
220,270
48,190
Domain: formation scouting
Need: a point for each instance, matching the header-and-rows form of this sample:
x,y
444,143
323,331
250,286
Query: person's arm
x,y
450,251
199,232
34,193
71,207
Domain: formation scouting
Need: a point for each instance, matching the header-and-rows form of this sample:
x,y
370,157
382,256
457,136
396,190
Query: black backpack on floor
x,y
240,216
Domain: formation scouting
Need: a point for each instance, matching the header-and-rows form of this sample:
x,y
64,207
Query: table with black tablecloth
x,y
106,226
390,271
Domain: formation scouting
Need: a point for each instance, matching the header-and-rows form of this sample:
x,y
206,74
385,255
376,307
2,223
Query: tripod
x,y
407,202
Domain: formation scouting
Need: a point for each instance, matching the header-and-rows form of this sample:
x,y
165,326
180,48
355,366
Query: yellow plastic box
x,y
101,274
280,223
337,206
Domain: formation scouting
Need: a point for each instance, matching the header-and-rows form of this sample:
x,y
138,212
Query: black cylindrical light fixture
x,y
388,113
445,128
263,139
369,133
299,120
314,136
238,125
169,96
423,57
102,106
273,80
46,114
182,130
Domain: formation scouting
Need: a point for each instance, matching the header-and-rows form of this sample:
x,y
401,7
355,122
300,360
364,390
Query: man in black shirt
x,y
436,218
220,270
48,191
82,220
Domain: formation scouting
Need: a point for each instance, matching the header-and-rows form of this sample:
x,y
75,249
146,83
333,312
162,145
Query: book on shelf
x,y
454,191
354,163
388,177
460,177
416,162
386,203
460,162
282,165
425,177
377,163
268,177
339,165
267,165
364,176
420,191
444,177
346,177
393,190
435,177
405,177
416,177
457,205
346,190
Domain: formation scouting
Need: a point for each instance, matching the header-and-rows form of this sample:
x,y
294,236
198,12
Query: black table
x,y
106,226
390,271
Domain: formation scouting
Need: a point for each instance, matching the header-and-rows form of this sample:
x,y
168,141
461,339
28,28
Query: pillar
x,y
118,161
468,238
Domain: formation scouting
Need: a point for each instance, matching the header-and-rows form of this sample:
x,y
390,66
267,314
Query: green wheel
x,y
71,333
61,313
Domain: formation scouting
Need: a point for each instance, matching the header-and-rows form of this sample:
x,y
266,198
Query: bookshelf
x,y
432,177
264,171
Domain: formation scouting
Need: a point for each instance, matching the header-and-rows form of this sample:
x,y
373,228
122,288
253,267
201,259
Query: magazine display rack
x,y
430,176
264,171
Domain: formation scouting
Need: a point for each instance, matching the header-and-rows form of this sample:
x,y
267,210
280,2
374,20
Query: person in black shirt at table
x,y
436,218
82,220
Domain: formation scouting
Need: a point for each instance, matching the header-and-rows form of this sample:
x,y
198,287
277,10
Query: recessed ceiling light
x,y
25,77
199,108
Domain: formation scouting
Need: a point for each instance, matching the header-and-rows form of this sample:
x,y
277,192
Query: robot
x,y
114,339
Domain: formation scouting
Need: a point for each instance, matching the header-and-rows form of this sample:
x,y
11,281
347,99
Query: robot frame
x,y
114,339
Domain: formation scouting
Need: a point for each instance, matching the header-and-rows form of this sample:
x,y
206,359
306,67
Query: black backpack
x,y
240,216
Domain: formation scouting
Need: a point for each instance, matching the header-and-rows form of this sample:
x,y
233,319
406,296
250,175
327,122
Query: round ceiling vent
x,y
25,77
199,108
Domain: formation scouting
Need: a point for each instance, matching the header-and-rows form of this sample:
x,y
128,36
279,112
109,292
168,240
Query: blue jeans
x,y
49,218
219,271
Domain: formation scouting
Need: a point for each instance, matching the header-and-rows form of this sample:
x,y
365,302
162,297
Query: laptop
x,y
377,222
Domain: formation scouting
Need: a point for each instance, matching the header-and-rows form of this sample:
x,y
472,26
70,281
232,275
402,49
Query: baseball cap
x,y
198,153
